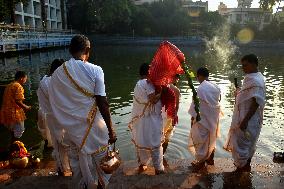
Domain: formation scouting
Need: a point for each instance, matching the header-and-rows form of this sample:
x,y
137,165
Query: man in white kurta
x,y
146,124
204,133
46,122
247,116
78,102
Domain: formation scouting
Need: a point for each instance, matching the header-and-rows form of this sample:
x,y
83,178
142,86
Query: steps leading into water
x,y
179,175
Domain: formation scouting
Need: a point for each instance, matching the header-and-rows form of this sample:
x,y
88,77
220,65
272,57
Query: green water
x,y
121,63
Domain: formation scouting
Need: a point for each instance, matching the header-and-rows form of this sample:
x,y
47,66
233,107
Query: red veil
x,y
164,67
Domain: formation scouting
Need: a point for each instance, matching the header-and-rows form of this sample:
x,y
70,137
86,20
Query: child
x,y
12,113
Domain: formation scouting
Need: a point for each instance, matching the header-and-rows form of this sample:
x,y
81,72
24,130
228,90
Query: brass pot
x,y
111,161
19,163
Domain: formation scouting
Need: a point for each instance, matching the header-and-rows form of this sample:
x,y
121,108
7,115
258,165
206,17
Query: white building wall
x,y
30,15
140,2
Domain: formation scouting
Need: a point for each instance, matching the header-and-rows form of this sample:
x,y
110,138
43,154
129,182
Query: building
x,y
140,2
32,15
244,14
195,8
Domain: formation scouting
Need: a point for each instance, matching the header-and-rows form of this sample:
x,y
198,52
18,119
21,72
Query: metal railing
x,y
18,38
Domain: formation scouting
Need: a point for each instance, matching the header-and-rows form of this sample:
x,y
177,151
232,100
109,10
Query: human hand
x,y
237,91
154,98
243,125
28,108
112,137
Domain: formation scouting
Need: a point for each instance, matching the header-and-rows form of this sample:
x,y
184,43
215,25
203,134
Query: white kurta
x,y
243,146
204,133
146,124
72,109
48,126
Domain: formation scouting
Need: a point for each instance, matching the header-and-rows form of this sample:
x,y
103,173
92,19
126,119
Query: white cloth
x,y
71,109
243,146
146,124
44,108
47,125
85,168
144,157
204,133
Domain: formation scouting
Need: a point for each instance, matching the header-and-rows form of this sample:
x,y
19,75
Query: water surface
x,y
121,64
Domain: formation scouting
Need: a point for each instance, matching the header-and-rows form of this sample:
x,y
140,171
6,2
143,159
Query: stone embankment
x,y
179,175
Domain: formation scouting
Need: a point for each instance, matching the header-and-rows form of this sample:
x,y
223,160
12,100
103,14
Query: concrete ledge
x,y
179,175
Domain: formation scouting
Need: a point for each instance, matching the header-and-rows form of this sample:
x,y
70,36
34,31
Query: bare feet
x,y
159,172
197,165
142,168
165,163
246,168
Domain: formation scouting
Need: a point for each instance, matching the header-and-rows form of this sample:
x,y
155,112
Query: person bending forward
x,y
146,124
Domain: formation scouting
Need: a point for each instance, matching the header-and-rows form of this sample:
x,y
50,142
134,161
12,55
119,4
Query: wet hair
x,y
144,69
20,75
78,44
250,58
55,64
203,72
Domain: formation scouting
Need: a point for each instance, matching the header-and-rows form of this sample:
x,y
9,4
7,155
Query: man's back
x,y
209,92
72,91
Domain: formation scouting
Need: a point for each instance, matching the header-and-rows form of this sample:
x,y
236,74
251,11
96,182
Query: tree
x,y
7,9
82,14
271,31
115,16
268,4
210,22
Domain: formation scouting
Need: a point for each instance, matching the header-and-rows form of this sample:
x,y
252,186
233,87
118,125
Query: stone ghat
x,y
179,175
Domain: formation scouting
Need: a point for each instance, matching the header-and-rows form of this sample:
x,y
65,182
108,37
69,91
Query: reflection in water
x,y
121,63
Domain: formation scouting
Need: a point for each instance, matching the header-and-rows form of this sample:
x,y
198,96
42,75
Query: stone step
x,y
179,175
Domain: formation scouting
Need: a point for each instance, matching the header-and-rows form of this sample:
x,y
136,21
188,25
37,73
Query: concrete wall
x,y
30,14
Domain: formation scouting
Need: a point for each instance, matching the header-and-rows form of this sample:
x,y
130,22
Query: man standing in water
x,y
79,104
146,124
248,115
204,133
47,123
12,113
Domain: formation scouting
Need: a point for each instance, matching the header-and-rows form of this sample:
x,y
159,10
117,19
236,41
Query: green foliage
x,y
268,4
161,18
7,9
273,31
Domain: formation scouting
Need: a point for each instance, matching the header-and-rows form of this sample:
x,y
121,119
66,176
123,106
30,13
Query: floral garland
x,y
22,151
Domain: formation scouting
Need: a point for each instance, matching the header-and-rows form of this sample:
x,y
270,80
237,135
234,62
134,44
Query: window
x,y
239,18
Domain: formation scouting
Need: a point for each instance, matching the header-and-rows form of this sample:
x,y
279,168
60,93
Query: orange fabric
x,y
164,67
10,112
166,64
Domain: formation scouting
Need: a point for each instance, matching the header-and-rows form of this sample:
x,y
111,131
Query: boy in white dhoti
x,y
248,115
46,122
146,124
79,104
204,133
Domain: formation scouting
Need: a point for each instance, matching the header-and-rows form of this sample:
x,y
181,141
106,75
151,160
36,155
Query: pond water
x,y
121,64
